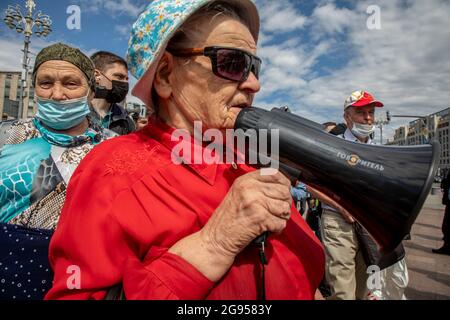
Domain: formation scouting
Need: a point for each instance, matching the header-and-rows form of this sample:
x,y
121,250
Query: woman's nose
x,y
252,84
58,93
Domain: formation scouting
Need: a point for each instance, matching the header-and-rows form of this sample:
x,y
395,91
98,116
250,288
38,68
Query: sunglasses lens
x,y
256,67
232,64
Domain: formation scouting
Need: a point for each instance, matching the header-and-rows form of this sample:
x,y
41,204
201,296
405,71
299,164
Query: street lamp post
x,y
382,122
25,24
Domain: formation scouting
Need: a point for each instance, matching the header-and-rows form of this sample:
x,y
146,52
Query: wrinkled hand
x,y
318,295
254,204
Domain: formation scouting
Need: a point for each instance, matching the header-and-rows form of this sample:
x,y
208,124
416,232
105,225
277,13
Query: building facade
x,y
423,130
400,135
10,95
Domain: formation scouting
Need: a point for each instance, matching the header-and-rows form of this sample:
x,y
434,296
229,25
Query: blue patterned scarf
x,y
92,135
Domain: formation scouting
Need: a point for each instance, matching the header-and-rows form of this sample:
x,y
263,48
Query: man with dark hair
x,y
334,128
111,76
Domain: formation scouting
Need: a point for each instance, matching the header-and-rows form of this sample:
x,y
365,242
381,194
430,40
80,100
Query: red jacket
x,y
128,203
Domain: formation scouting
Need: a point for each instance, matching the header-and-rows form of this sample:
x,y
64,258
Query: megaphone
x,y
382,187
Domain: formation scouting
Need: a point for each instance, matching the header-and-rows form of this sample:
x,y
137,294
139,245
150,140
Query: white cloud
x,y
280,16
329,19
8,61
123,31
286,66
124,6
116,7
405,64
11,54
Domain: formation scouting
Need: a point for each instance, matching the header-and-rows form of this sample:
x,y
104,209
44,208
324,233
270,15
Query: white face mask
x,y
362,131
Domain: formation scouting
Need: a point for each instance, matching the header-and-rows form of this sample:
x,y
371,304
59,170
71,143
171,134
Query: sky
x,y
315,53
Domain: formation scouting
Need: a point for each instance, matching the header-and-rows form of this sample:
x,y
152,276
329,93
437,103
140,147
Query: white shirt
x,y
349,136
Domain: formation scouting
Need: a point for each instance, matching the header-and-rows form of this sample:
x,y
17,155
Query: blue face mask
x,y
62,115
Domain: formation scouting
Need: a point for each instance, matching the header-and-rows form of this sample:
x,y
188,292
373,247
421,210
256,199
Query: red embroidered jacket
x,y
128,203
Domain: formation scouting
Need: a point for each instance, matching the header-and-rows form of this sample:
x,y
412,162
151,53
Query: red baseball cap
x,y
361,99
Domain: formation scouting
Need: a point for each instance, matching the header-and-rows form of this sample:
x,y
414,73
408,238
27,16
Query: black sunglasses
x,y
228,63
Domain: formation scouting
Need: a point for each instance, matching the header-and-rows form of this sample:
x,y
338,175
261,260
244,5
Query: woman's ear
x,y
97,75
162,82
91,96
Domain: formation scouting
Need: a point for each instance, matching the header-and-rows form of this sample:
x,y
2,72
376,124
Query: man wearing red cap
x,y
345,268
349,249
359,113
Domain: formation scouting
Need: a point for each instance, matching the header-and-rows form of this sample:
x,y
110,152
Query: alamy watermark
x,y
374,278
374,20
74,280
73,21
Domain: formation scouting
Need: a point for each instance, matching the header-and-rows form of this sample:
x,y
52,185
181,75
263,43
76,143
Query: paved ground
x,y
429,273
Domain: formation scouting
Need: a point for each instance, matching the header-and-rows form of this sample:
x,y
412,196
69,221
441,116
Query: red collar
x,y
163,133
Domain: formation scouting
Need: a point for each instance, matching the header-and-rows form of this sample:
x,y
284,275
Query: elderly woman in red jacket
x,y
162,229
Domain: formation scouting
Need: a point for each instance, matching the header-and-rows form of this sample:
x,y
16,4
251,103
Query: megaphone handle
x,y
262,239
261,243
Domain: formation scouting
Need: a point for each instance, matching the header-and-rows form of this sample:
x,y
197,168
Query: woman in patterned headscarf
x,y
37,159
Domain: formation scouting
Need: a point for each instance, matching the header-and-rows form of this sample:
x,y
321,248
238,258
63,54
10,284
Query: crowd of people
x,y
93,207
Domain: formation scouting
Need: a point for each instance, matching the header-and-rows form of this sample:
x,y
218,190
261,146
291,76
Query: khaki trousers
x,y
345,268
